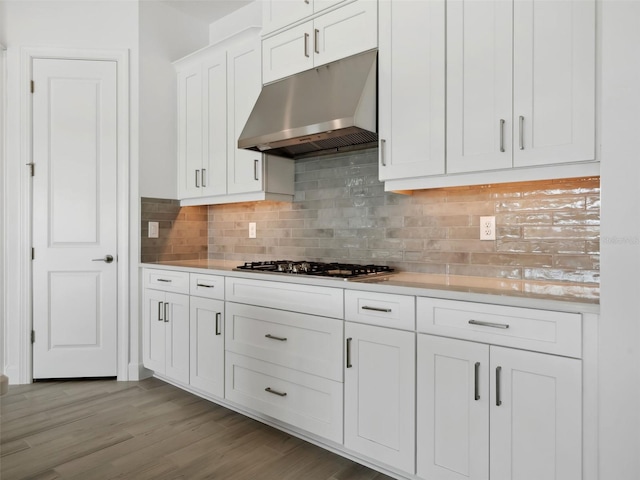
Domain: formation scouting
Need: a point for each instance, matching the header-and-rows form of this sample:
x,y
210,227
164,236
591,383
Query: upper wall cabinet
x,y
411,89
217,88
277,14
323,38
520,92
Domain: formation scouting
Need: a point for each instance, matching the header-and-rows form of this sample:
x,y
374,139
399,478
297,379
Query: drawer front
x,y
307,343
208,286
540,330
304,401
166,280
385,310
310,299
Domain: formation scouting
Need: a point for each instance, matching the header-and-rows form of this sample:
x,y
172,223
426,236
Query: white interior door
x,y
74,218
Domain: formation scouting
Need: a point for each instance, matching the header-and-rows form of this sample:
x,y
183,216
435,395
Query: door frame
x,y
121,57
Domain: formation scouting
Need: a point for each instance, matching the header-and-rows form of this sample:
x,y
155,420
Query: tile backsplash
x,y
545,230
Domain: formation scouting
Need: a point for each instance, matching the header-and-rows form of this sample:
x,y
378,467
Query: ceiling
x,y
207,10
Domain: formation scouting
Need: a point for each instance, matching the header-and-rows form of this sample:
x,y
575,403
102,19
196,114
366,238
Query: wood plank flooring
x,y
104,429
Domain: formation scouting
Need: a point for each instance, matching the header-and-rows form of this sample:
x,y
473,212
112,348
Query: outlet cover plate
x,y
488,228
154,229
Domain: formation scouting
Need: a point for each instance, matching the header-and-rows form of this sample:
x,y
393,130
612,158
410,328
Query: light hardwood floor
x,y
99,429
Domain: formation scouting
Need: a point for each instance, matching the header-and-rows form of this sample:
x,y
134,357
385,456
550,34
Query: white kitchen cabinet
x,y
379,410
166,334
206,351
339,33
520,84
277,14
217,88
495,412
411,89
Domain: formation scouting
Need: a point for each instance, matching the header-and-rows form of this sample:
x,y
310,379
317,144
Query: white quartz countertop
x,y
546,295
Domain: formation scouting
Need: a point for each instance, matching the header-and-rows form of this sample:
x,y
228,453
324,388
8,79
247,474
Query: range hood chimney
x,y
322,110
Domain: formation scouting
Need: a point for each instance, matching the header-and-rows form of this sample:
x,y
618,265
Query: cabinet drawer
x,y
324,301
385,310
305,401
166,280
541,330
208,286
302,342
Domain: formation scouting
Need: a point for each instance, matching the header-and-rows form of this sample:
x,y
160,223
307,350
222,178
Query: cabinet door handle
x,y
498,393
160,319
166,313
349,352
275,392
488,324
306,45
203,176
273,337
218,317
376,309
502,135
476,388
255,170
204,286
383,159
521,131
197,178
165,280
316,40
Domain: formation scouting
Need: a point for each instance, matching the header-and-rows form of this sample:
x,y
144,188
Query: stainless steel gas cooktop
x,y
345,271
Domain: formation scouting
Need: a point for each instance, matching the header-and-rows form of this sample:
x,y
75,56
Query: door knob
x,y
105,259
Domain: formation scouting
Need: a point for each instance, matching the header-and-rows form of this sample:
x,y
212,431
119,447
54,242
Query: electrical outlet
x,y
154,230
487,228
252,229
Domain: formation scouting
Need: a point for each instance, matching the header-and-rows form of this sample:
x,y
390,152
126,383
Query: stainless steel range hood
x,y
326,109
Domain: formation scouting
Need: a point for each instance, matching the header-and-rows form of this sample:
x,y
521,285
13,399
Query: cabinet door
x,y
177,337
479,85
411,89
287,53
379,419
190,128
345,31
536,416
154,341
280,13
244,167
214,162
554,75
206,321
453,409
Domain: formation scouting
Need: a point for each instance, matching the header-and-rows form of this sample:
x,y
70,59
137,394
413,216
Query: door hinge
x,y
32,168
33,253
33,86
33,336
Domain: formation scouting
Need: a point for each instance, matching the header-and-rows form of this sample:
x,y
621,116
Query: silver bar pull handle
x,y
488,324
204,286
275,392
476,388
349,352
502,135
383,159
164,280
376,309
166,313
306,45
498,393
218,317
306,1
105,259
273,337
197,178
255,170
160,319
521,131
203,175
316,40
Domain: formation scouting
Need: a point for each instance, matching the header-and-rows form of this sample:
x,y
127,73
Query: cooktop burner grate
x,y
347,271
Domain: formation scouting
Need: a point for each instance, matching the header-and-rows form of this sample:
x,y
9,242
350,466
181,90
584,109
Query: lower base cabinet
x,y
489,412
379,417
206,371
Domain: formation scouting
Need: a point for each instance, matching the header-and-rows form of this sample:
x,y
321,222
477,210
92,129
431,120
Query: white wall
x,y
166,34
2,203
79,24
250,15
619,326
